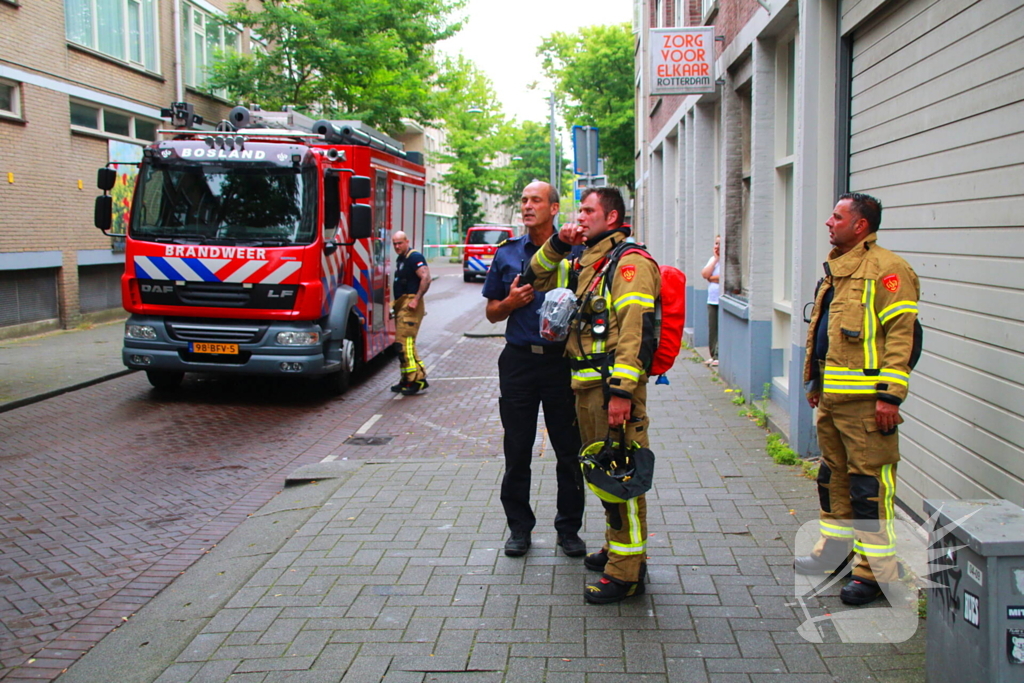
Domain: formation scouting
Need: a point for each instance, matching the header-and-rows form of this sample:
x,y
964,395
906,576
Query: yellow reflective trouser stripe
x,y
870,325
636,540
834,530
883,549
563,273
627,371
645,300
869,550
410,355
544,262
898,308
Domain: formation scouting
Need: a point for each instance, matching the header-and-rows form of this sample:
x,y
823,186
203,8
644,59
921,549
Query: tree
x,y
530,151
594,86
370,60
469,110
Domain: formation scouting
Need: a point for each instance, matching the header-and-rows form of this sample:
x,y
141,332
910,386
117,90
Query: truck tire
x,y
165,379
351,356
468,277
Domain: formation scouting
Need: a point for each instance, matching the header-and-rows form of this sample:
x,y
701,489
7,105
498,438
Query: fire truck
x,y
263,247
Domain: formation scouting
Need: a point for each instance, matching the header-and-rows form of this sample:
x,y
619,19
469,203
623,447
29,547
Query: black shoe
x,y
860,592
414,387
572,545
812,566
398,387
606,589
595,562
517,544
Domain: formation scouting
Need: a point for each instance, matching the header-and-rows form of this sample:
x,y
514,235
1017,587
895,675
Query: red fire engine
x,y
263,247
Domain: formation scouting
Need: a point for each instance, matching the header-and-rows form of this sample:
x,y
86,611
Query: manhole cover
x,y
368,440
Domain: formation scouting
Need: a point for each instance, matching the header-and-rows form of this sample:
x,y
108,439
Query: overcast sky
x,y
502,38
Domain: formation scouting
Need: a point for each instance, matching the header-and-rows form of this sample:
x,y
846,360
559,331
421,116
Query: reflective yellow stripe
x,y
890,497
543,261
619,370
870,325
644,300
834,531
586,375
850,381
563,273
874,550
637,542
599,346
898,308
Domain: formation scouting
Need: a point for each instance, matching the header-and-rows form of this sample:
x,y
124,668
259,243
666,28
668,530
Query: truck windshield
x,y
487,236
220,204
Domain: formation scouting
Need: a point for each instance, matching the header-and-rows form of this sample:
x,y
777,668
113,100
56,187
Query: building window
x,y
10,99
28,296
123,29
92,118
785,184
206,38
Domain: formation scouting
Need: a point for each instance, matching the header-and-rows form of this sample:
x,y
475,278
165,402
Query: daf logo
x,y
165,153
282,157
158,289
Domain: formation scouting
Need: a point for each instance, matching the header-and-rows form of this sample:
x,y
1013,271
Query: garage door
x,y
937,133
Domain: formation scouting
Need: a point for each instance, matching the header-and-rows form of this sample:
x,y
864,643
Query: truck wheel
x,y
468,277
339,382
165,379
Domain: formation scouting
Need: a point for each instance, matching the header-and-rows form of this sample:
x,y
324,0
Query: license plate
x,y
207,347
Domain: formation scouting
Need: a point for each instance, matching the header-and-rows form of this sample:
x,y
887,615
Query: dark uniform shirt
x,y
523,326
406,279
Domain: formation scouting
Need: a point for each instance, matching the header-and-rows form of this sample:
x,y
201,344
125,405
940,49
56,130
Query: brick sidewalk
x,y
399,576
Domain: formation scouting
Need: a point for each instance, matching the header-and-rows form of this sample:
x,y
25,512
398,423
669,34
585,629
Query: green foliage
x,y
529,150
738,399
477,131
810,468
780,452
758,412
594,86
371,60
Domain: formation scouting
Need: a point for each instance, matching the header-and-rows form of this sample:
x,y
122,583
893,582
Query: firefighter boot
x,y
414,387
398,387
607,589
595,562
834,558
860,592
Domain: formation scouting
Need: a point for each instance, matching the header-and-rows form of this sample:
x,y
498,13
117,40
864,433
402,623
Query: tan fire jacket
x,y
629,344
870,325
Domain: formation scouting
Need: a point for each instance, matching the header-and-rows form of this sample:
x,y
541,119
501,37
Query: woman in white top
x,y
712,272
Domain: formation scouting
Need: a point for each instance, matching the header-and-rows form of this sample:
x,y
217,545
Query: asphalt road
x,y
110,492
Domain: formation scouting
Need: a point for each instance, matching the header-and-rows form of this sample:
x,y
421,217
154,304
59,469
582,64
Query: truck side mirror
x,y
359,187
105,178
360,225
103,213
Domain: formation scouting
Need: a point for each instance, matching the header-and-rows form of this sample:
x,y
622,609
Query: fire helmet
x,y
616,473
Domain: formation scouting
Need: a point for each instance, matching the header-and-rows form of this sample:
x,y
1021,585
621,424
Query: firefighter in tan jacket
x,y
621,352
862,342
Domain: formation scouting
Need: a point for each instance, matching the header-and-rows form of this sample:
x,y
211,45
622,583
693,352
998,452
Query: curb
x,y
21,402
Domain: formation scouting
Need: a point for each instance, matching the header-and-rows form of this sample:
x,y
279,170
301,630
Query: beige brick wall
x,y
44,209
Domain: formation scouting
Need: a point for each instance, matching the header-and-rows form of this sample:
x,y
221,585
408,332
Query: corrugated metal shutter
x,y
937,133
99,287
27,296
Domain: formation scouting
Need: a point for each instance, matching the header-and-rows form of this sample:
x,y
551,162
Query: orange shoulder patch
x,y
891,282
628,273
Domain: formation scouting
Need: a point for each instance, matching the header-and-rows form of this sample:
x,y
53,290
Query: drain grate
x,y
368,440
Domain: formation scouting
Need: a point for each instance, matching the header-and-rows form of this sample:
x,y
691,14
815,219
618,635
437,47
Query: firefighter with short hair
x,y
862,342
609,350
412,280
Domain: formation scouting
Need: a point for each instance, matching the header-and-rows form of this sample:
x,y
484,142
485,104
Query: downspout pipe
x,y
179,79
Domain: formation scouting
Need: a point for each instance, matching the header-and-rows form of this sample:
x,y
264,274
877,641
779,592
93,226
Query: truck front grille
x,y
224,294
209,332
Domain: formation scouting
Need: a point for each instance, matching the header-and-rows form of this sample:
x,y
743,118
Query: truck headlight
x,y
298,338
140,332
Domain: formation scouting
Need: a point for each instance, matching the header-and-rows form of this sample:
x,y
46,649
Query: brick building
x,y
82,83
918,102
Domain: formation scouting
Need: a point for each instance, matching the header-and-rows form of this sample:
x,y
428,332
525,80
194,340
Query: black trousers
x,y
529,381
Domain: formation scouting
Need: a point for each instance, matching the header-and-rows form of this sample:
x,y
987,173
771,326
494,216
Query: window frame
x,y
100,131
15,113
196,74
148,32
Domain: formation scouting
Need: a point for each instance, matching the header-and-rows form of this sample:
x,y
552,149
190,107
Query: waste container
x,y
976,595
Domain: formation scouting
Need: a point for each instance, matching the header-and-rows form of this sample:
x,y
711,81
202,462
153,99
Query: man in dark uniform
x,y
412,280
533,372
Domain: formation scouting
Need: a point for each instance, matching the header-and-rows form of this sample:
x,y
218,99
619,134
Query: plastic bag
x,y
556,314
